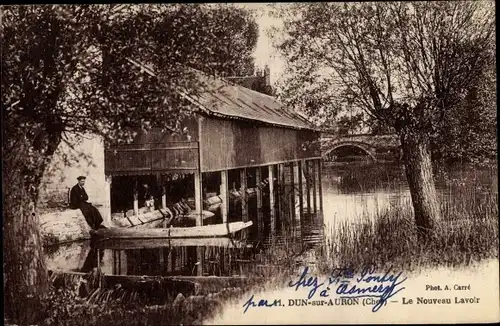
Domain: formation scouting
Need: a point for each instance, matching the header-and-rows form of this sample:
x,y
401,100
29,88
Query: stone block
x,y
65,226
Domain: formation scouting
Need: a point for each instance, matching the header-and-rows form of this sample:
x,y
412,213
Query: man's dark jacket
x,y
77,197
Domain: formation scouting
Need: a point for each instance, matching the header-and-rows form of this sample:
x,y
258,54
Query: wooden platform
x,y
207,231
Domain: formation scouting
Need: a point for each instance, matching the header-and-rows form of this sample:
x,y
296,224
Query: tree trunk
x,y
25,271
418,166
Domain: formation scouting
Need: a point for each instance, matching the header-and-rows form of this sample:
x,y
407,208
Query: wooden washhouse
x,y
222,173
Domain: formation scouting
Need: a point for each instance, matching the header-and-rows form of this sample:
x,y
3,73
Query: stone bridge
x,y
377,147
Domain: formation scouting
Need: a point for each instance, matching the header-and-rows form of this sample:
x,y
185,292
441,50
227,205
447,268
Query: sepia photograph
x,y
250,163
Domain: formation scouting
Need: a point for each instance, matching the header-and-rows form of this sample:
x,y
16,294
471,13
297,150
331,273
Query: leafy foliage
x,y
68,65
75,299
409,66
77,69
468,134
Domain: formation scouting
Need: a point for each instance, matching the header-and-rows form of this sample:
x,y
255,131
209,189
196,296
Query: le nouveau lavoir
x,y
457,300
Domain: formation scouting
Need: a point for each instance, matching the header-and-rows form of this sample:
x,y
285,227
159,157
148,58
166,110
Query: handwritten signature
x,y
261,303
343,280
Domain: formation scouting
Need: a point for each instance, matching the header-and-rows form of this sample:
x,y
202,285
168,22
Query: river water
x,y
353,194
350,193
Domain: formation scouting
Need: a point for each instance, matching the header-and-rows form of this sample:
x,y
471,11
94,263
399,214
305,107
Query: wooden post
x,y
161,185
271,199
173,258
198,198
161,258
105,261
279,187
163,191
169,260
258,179
243,190
121,262
136,198
199,258
115,262
320,172
164,253
198,178
107,206
301,188
284,193
313,163
224,195
308,186
283,200
292,191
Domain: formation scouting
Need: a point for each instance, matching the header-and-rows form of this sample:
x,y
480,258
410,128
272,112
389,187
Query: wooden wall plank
x,y
231,144
225,144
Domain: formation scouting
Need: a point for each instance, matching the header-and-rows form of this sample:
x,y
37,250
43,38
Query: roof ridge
x,y
291,118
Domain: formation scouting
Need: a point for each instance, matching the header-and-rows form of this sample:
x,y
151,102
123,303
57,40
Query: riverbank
x,y
464,246
97,299
391,238
381,226
226,305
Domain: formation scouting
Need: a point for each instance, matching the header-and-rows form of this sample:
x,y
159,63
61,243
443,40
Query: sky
x,y
264,52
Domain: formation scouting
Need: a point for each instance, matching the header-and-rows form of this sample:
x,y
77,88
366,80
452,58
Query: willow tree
x,y
407,64
66,70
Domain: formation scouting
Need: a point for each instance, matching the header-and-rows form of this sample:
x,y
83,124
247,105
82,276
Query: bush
x,y
66,304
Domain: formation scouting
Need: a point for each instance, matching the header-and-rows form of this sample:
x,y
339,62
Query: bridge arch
x,y
349,143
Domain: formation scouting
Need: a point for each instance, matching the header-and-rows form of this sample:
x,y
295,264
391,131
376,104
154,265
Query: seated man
x,y
78,200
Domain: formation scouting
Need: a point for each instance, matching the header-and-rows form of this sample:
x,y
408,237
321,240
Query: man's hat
x,y
81,177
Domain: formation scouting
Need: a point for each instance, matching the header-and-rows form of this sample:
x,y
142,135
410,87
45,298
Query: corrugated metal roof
x,y
222,98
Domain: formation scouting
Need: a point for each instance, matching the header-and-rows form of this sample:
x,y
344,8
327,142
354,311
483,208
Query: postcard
x,y
239,163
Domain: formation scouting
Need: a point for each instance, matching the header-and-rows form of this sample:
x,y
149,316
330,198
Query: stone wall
x,y
58,222
86,158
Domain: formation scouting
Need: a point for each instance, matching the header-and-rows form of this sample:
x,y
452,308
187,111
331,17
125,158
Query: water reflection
x,y
349,193
345,197
354,192
94,258
186,257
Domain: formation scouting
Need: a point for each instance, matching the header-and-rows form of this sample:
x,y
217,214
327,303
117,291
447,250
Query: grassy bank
x,y
66,309
392,240
116,306
467,232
